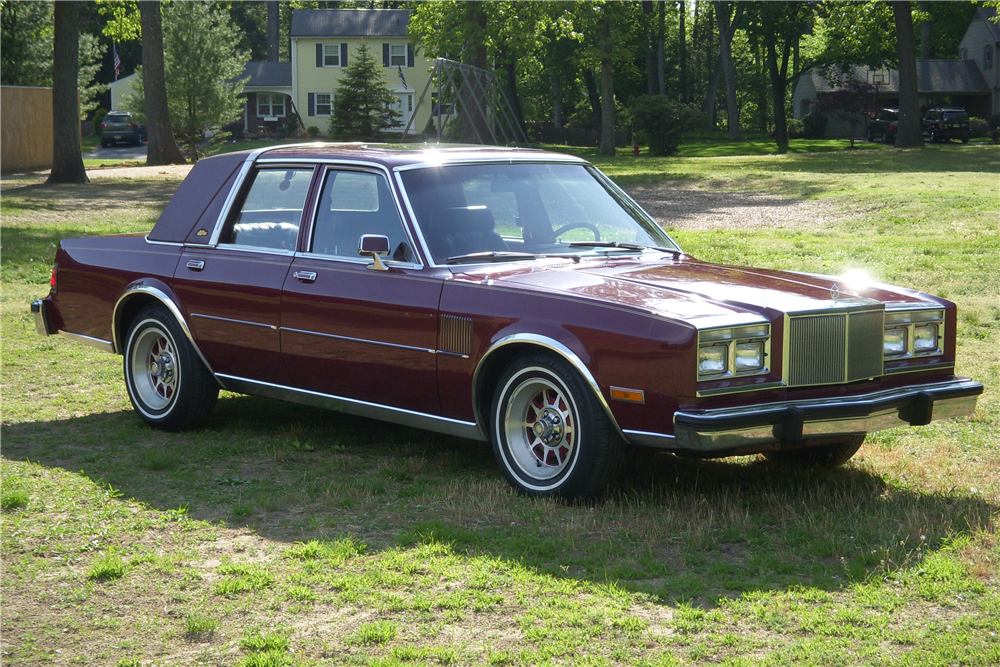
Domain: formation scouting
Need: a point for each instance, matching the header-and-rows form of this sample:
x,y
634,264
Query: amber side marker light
x,y
628,395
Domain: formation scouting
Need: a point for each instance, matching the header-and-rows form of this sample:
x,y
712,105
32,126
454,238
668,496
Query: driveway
x,y
119,152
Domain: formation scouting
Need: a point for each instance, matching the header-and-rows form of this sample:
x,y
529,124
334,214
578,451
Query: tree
x,y
162,147
727,27
908,134
362,107
607,144
26,34
662,122
849,103
202,66
67,156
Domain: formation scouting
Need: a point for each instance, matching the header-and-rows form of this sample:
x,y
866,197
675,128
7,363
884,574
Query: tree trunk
x,y
67,155
607,145
161,148
708,108
649,27
926,45
595,101
510,83
682,46
661,50
476,129
272,31
908,135
729,74
778,86
556,101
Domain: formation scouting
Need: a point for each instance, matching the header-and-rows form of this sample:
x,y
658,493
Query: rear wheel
x,y
167,383
827,455
550,434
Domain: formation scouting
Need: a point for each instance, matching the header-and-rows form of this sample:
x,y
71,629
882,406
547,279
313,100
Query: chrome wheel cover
x,y
154,368
540,426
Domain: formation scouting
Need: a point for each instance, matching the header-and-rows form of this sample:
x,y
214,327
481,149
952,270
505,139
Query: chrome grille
x,y
456,334
864,340
817,345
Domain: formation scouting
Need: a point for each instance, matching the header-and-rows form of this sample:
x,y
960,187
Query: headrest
x,y
461,219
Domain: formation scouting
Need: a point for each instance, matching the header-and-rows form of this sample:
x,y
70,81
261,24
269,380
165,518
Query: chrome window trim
x,y
360,261
553,346
229,319
169,243
239,247
359,340
422,420
367,168
466,161
89,341
168,303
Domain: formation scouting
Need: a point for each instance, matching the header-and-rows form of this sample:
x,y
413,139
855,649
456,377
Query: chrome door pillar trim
x,y
551,345
162,297
455,427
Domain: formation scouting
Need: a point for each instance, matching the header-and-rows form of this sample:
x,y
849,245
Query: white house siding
x,y
974,43
312,79
804,90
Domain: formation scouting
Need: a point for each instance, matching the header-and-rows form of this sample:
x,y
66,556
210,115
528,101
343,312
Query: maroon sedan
x,y
513,296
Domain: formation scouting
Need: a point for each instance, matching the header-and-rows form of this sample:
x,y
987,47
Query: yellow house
x,y
325,40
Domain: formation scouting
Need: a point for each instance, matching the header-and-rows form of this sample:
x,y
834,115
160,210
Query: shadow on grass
x,y
676,528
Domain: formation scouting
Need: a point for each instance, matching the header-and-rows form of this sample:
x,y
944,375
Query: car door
x,y
232,291
349,329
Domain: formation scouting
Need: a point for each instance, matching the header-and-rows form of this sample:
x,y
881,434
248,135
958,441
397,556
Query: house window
x,y
270,104
324,104
804,107
963,54
987,57
397,55
331,55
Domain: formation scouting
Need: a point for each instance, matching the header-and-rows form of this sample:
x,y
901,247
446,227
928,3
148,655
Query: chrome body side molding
x,y
551,345
358,340
229,319
162,297
97,343
455,427
654,440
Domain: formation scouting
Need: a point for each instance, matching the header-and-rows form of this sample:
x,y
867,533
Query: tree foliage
x,y
661,122
849,103
362,107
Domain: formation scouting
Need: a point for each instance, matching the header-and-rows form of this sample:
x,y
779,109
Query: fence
x,y
25,128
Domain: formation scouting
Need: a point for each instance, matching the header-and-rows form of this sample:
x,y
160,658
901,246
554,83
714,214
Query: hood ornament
x,y
835,292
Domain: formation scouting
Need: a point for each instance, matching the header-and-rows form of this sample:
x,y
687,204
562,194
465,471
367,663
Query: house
x,y
971,81
120,89
268,91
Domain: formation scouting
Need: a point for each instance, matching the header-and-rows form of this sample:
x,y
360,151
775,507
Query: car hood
x,y
684,288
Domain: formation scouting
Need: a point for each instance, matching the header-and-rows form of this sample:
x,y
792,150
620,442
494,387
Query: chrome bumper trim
x,y
98,343
39,309
791,422
647,439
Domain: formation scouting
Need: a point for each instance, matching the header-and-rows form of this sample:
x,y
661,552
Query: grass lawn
x,y
284,535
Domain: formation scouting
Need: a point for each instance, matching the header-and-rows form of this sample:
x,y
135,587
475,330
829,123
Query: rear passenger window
x,y
354,203
271,211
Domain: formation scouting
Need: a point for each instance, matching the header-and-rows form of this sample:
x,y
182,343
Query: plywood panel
x,y
25,128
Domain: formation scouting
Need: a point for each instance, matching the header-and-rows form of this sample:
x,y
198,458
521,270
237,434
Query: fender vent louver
x,y
456,335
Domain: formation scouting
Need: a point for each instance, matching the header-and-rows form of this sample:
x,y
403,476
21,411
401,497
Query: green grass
x,y
285,535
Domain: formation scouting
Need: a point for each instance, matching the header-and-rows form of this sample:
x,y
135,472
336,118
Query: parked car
x,y
883,126
946,123
120,126
512,296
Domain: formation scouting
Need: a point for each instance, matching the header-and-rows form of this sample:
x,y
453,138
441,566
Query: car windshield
x,y
491,212
956,115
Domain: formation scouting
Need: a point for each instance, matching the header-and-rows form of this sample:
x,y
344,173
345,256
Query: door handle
x,y
305,276
196,264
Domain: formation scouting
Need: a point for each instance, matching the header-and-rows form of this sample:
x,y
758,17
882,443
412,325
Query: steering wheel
x,y
574,225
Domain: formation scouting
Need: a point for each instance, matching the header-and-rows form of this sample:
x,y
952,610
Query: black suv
x,y
884,126
946,123
120,126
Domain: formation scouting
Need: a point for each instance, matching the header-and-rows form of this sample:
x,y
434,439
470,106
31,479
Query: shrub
x,y
814,126
292,124
994,135
795,128
99,114
661,122
978,127
312,131
995,121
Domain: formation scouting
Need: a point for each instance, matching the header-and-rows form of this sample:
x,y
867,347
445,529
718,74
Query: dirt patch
x,y
165,171
688,206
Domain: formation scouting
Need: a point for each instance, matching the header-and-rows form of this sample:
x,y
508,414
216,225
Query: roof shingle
x,y
350,22
934,77
268,74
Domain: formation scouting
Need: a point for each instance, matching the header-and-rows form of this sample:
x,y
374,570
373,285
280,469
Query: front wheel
x,y
167,383
828,455
550,434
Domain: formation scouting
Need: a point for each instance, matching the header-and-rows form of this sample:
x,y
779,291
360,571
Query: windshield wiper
x,y
490,256
624,246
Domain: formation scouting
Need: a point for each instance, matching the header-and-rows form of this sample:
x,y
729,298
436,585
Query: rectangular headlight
x,y
713,359
749,356
925,338
894,342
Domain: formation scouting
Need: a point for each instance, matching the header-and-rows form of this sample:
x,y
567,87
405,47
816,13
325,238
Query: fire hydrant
x,y
635,150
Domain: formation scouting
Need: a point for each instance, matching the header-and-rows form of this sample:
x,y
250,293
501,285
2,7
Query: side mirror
x,y
377,246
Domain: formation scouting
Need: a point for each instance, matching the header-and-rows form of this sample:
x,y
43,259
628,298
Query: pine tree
x,y
362,106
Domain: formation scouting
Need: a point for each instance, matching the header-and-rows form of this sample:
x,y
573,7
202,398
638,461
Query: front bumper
x,y
791,422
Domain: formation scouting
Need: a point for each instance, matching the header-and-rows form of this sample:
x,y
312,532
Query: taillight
x,y
104,124
52,280
132,125
892,127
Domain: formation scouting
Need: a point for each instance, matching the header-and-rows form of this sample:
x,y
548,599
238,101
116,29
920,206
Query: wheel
x,y
965,140
104,144
575,225
828,455
871,137
551,436
934,137
167,383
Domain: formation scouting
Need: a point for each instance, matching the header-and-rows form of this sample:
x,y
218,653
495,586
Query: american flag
x,y
118,62
401,77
